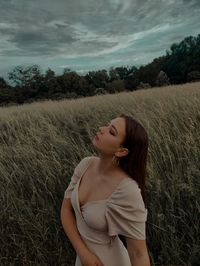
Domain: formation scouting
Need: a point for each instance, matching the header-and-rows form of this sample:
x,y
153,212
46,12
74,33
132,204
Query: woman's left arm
x,y
138,253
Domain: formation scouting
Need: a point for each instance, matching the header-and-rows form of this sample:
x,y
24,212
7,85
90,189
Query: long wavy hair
x,y
134,163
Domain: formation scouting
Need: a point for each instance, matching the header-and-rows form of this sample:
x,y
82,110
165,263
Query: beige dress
x,y
99,222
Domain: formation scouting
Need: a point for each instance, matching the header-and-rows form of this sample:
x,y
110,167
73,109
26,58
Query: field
x,y
41,143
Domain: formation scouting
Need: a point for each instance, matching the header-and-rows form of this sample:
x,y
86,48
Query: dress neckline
x,y
94,201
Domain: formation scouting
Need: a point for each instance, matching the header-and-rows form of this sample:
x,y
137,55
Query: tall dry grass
x,y
41,143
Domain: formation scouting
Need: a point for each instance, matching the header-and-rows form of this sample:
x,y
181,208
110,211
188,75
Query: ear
x,y
122,152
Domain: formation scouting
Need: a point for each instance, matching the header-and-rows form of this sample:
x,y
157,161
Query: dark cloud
x,y
41,39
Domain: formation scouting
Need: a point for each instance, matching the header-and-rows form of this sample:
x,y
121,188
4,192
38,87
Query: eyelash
x,y
111,131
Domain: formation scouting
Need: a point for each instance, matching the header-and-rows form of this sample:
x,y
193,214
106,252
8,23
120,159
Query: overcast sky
x,y
88,35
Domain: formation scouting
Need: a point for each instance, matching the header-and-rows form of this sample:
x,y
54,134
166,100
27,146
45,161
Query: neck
x,y
105,165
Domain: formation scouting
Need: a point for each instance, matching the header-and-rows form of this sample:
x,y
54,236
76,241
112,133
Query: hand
x,y
90,259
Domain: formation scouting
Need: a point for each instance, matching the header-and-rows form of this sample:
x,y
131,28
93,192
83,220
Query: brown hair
x,y
136,141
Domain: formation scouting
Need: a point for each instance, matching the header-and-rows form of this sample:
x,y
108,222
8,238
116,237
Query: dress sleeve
x,y
126,213
79,169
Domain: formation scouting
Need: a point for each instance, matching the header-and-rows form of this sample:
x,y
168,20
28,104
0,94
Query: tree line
x,y
181,64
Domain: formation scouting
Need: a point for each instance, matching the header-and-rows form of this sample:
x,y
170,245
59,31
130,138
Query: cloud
x,y
52,31
113,43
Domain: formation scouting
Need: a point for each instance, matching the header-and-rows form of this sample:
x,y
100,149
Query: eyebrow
x,y
114,127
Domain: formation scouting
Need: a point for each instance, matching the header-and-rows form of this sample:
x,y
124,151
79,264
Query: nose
x,y
101,129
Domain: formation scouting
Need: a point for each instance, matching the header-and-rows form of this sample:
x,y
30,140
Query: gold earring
x,y
115,160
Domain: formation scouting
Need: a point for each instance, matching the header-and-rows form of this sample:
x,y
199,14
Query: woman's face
x,y
109,138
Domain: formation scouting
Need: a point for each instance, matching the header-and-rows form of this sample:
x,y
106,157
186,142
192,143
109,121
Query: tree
x,y
49,74
115,86
121,72
113,74
162,79
100,91
69,81
3,83
193,76
23,76
183,58
143,86
50,84
98,79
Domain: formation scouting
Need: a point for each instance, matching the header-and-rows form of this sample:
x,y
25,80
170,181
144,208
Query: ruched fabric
x,y
76,175
125,212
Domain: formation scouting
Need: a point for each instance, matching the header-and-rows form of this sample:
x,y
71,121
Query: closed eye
x,y
110,130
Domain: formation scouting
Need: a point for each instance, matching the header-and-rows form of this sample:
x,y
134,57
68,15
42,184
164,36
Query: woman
x,y
106,198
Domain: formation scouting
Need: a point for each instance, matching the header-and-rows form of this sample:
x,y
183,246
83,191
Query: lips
x,y
96,137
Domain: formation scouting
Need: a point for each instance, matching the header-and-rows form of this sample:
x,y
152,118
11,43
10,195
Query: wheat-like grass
x,y
41,143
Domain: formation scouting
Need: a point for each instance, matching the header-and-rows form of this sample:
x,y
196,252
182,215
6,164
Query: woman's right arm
x,y
68,221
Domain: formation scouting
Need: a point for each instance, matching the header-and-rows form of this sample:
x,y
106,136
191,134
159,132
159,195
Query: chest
x,y
93,187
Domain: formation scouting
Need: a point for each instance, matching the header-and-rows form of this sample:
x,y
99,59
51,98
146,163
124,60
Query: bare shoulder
x,y
96,158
